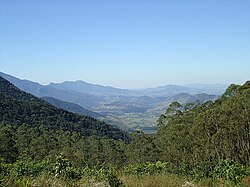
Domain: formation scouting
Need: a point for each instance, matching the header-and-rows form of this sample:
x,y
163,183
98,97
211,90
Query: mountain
x,y
18,107
72,107
161,91
90,95
126,109
168,90
87,88
38,90
183,99
216,89
25,85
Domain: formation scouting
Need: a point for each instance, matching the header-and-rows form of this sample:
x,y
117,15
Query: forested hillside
x,y
19,108
202,135
45,146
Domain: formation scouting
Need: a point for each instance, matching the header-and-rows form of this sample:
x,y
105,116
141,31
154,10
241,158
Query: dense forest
x,y
194,135
42,145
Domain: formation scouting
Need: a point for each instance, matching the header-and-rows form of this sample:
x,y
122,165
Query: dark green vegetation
x,y
127,109
195,144
208,132
19,108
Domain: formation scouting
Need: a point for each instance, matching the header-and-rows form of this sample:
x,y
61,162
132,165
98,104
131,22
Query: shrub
x,y
230,172
107,174
146,168
63,168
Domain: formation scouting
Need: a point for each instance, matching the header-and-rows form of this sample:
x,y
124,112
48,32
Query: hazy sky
x,y
126,43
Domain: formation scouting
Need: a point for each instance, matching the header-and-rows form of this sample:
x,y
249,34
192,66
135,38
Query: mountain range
x,y
18,108
123,108
160,91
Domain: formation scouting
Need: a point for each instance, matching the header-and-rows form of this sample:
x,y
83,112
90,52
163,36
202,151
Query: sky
x,y
126,43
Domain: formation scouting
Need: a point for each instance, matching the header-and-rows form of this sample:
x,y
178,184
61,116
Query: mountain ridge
x,y
80,86
132,111
18,107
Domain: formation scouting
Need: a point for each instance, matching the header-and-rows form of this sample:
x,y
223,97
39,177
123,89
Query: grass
x,y
173,181
153,181
159,180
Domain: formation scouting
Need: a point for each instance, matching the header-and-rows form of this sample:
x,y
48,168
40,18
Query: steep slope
x,y
71,107
209,132
25,85
85,100
18,107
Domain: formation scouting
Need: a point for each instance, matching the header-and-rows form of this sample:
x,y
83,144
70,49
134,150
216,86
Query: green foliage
x,y
208,133
4,170
114,181
109,174
172,112
29,168
146,168
230,172
142,148
8,148
106,173
23,182
190,141
202,171
63,168
18,108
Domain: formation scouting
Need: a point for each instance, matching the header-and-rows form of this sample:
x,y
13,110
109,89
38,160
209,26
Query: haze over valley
x,y
136,109
127,93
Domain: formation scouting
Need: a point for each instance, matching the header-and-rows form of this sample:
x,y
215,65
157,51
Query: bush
x,y
63,168
4,169
29,168
107,174
230,171
146,168
202,171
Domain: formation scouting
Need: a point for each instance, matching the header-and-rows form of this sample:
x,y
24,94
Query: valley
x,y
44,145
130,93
122,108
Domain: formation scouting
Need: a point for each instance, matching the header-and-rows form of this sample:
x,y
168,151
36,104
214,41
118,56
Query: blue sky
x,y
126,43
